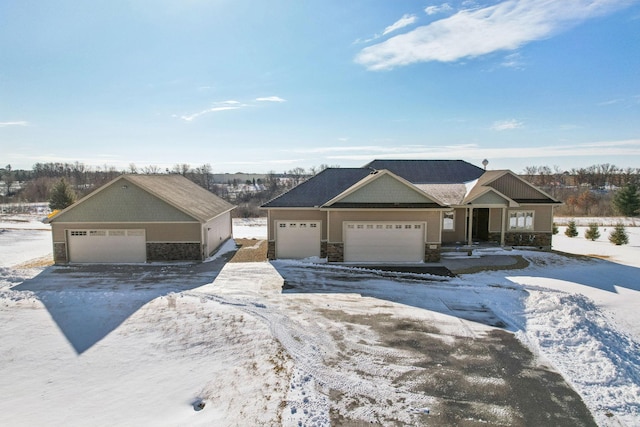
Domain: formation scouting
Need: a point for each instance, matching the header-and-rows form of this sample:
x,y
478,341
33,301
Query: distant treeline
x,y
584,191
248,191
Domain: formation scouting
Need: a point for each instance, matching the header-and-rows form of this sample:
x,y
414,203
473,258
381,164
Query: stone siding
x,y
60,253
174,252
271,250
431,255
537,240
335,252
323,249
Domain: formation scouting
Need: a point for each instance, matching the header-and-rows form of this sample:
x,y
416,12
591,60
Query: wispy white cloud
x,y
506,125
17,123
433,10
228,105
405,21
470,33
271,99
513,60
191,117
599,149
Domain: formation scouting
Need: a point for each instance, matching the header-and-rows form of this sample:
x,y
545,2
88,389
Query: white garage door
x,y
297,239
384,241
107,246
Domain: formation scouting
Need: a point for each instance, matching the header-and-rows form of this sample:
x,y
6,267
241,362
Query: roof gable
x,y
482,195
183,194
319,189
152,198
514,187
383,188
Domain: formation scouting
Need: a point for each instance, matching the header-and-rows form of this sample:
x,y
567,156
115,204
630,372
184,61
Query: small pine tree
x,y
592,232
61,195
627,200
619,235
571,230
555,229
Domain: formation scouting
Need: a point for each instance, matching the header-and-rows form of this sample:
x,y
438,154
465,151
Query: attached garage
x,y
399,241
298,239
107,246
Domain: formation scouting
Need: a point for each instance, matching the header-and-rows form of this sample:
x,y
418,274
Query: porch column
x,y
470,227
504,226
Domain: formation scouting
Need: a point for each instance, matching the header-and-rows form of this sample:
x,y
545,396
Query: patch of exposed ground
x,y
519,264
250,250
44,261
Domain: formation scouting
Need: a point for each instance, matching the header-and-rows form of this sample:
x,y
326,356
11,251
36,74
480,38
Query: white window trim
x,y
453,221
518,215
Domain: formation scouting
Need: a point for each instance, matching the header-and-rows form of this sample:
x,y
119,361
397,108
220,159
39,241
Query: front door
x,y
480,229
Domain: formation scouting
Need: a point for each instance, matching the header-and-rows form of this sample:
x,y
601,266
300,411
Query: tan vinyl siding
x,y
495,220
458,235
542,217
122,202
385,189
155,232
432,218
296,215
514,188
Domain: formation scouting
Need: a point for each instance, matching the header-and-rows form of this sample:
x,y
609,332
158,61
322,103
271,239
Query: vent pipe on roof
x,y
485,162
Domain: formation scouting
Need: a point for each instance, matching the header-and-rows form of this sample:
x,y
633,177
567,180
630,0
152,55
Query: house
x,y
406,211
140,218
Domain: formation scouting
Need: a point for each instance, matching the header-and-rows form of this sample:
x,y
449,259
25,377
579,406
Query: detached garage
x,y
141,218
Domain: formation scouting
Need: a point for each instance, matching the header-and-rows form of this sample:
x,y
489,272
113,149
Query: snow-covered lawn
x,y
144,345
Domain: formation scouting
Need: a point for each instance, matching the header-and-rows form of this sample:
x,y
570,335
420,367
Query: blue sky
x,y
258,86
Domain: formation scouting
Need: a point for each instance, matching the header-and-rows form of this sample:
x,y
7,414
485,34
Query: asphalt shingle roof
x,y
320,188
183,194
430,171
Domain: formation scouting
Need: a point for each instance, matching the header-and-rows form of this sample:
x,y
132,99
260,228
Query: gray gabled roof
x,y
183,194
326,185
430,171
319,189
175,190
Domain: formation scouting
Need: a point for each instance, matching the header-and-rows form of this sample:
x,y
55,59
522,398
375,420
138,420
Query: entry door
x,y
384,241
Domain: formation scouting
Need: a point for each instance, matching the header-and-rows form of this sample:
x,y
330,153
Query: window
x,y
281,225
78,233
520,220
313,225
448,221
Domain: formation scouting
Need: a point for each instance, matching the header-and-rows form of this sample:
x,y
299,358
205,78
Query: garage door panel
x,y
384,242
107,246
297,239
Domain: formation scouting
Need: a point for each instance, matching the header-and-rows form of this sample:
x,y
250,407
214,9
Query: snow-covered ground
x,y
144,345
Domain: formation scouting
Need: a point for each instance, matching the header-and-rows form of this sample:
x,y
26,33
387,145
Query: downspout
x,y
470,227
504,226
